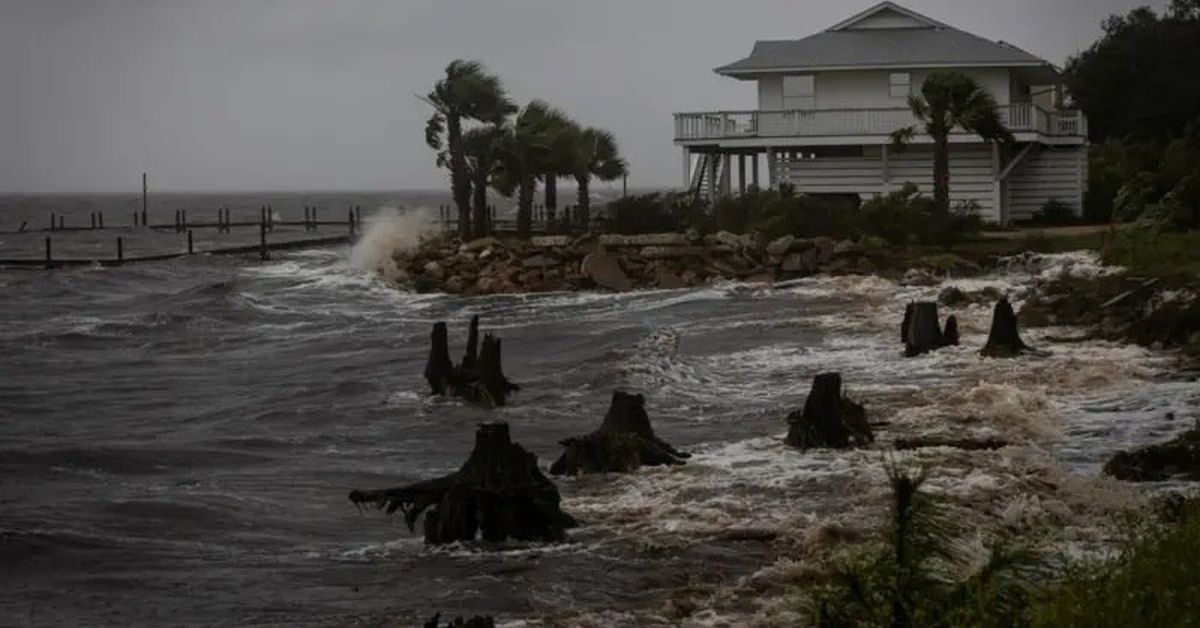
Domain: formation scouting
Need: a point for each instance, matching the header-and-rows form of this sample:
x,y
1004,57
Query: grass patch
x,y
1157,254
1154,581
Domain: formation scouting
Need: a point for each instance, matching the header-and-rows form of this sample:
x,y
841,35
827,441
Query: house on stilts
x,y
828,103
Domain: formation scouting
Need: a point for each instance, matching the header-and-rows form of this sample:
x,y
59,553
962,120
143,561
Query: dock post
x,y
145,194
315,221
145,216
350,222
190,250
177,221
100,216
49,257
93,217
52,221
358,215
120,249
262,239
62,221
270,219
183,220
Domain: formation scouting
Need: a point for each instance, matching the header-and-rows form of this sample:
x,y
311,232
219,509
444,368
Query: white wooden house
x,y
828,103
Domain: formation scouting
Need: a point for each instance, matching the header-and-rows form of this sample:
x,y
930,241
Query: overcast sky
x,y
321,95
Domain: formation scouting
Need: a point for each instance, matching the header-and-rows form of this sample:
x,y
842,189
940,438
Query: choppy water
x,y
177,439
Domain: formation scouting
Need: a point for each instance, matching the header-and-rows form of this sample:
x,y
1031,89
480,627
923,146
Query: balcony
x,y
832,123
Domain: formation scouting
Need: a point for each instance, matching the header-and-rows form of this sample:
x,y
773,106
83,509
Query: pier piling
x,y
190,249
120,249
49,256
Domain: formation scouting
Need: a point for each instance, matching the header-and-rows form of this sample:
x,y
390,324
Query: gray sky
x,y
316,94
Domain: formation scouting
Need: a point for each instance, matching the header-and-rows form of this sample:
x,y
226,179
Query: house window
x,y
899,84
799,92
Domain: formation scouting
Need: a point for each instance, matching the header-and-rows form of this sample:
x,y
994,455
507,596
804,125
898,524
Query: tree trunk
x,y
624,442
828,420
583,211
439,370
470,356
1004,340
551,191
460,181
525,207
482,216
498,494
941,173
921,329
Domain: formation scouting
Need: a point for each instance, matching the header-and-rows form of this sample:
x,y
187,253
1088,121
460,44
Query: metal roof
x,y
931,45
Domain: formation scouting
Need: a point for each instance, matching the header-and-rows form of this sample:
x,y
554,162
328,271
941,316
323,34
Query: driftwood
x,y
829,420
921,331
498,494
1004,340
479,378
624,442
485,621
965,444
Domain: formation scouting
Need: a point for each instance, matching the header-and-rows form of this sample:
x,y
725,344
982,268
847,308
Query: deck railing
x,y
1021,117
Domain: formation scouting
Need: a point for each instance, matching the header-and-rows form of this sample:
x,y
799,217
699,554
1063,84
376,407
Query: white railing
x,y
1022,117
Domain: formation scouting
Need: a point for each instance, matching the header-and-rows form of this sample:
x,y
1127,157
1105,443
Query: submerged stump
x,y
1004,339
479,621
498,494
624,442
829,419
479,378
922,332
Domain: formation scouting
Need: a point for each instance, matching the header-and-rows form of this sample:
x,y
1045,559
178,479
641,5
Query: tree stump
x,y
624,442
498,494
950,331
479,379
479,621
1004,340
829,420
921,331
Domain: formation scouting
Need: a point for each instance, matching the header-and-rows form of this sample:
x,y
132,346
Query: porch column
x,y
887,175
998,186
687,168
742,174
714,165
754,167
771,174
726,174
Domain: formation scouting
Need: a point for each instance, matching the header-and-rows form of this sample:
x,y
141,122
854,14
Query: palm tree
x,y
481,149
468,92
949,100
527,151
595,155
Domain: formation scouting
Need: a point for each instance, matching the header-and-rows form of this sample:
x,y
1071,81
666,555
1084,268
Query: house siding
x,y
868,89
972,174
1050,174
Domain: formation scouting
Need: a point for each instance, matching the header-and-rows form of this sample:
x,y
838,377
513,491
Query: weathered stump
x,y
922,332
950,331
1004,340
498,494
624,442
439,370
479,621
829,420
479,378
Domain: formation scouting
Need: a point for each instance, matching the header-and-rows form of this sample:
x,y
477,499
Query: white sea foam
x,y
390,231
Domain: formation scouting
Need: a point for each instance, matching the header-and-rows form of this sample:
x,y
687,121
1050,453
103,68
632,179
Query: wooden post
x,y
93,217
62,221
754,171
183,220
350,222
358,215
190,249
100,215
145,191
262,239
177,221
120,249
135,218
49,257
145,216
52,221
270,218
624,185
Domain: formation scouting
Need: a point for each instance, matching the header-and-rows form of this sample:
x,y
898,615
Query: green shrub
x,y
654,213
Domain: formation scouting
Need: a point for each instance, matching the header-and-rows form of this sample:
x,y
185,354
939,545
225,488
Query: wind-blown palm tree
x,y
481,148
528,150
468,92
949,100
595,155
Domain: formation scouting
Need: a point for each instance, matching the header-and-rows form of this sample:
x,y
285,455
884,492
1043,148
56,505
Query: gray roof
x,y
930,46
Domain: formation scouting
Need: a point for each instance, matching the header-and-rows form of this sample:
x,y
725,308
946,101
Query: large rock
x,y
646,239
672,252
780,246
480,244
550,242
1176,459
825,248
664,279
435,270
605,270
